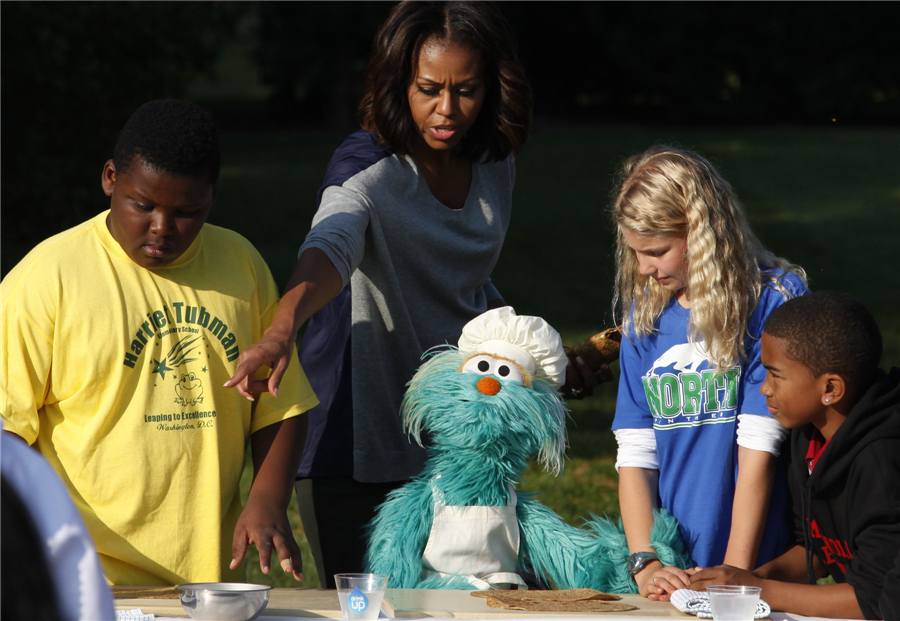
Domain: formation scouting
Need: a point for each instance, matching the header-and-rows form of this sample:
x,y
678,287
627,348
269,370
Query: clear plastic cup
x,y
733,602
360,595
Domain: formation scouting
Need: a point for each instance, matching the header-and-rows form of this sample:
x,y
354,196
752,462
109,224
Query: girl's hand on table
x,y
273,351
581,380
267,527
656,582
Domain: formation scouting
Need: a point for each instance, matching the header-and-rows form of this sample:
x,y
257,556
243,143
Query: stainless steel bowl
x,y
224,601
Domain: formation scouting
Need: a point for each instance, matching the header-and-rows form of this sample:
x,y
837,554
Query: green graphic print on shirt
x,y
199,327
184,319
682,394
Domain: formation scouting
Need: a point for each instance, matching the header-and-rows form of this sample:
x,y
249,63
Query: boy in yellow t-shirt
x,y
116,337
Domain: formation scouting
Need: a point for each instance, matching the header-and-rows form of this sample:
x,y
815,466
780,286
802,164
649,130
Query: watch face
x,y
638,560
633,561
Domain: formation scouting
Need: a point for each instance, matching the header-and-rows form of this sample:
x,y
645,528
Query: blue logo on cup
x,y
357,601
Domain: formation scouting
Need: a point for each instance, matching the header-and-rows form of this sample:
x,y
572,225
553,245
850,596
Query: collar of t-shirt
x,y
817,446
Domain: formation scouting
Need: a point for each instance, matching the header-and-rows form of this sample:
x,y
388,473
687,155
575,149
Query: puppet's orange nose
x,y
488,386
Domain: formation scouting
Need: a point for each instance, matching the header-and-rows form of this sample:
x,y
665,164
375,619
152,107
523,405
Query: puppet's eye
x,y
479,364
488,365
508,371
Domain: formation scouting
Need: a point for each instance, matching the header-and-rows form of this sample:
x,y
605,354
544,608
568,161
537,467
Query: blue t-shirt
x,y
668,385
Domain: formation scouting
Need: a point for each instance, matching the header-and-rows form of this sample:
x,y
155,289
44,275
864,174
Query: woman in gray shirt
x,y
412,216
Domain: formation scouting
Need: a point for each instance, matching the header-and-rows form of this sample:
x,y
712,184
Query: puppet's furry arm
x,y
566,556
665,538
398,534
594,556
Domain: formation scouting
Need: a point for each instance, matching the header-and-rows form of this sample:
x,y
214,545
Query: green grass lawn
x,y
828,199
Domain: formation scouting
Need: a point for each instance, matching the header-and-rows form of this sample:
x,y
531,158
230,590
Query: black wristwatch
x,y
638,561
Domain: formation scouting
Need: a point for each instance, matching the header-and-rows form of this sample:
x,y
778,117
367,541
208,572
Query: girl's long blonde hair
x,y
668,191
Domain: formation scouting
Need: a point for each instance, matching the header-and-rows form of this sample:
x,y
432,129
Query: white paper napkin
x,y
133,614
697,603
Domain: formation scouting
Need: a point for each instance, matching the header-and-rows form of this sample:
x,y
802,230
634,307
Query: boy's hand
x,y
264,525
270,351
723,574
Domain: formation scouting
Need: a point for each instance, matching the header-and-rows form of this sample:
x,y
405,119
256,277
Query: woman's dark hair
x,y
26,590
505,117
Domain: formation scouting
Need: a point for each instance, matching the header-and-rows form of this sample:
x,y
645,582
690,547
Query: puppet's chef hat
x,y
528,341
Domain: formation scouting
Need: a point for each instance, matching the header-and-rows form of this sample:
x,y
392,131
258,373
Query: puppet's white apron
x,y
478,543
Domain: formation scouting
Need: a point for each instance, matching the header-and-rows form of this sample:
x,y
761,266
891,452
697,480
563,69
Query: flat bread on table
x,y
128,592
562,595
582,605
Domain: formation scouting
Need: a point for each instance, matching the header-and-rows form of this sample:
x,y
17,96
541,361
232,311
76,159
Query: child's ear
x,y
108,177
834,389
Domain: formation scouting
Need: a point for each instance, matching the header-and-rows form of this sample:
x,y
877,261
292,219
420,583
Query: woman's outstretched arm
x,y
313,283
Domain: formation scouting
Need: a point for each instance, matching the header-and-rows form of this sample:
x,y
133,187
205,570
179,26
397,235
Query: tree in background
x,y
72,74
73,71
614,62
712,63
313,55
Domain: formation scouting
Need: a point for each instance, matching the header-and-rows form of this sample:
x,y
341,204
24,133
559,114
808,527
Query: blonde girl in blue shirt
x,y
694,286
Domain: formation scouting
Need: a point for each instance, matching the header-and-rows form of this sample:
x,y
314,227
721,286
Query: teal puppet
x,y
488,407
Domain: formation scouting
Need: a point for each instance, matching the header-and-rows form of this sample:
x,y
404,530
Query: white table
x,y
297,604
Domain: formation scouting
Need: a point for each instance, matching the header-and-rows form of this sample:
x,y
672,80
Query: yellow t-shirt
x,y
114,372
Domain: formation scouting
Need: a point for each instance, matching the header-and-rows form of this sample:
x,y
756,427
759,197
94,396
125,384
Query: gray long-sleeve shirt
x,y
414,273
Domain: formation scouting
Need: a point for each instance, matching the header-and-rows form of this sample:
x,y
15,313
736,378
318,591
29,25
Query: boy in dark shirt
x,y
821,352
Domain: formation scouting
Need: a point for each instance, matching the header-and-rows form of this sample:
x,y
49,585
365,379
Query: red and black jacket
x,y
847,512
